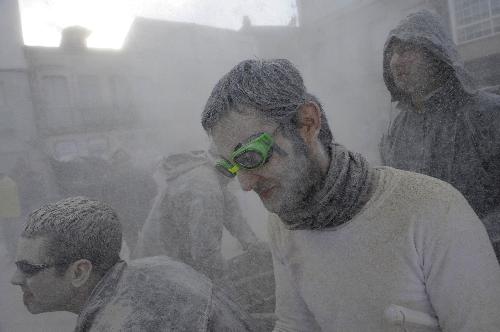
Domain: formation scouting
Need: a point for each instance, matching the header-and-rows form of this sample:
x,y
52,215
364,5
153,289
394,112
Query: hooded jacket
x,y
455,136
159,294
188,215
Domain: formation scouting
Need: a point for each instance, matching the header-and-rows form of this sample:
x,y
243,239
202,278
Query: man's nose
x,y
400,60
17,278
395,61
247,179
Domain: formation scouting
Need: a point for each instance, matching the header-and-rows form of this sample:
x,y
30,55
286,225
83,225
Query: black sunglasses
x,y
30,270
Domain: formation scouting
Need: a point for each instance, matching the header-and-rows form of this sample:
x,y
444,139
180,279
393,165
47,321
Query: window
x,y
65,150
98,146
495,7
475,19
121,96
56,96
90,98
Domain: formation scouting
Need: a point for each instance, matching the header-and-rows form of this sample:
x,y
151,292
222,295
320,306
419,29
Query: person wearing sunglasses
x,y
348,239
68,260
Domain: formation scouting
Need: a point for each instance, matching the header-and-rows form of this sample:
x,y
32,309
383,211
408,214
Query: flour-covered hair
x,y
273,88
78,228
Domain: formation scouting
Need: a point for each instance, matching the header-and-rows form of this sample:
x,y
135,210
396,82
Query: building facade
x,y
21,154
82,97
16,109
145,98
70,101
476,29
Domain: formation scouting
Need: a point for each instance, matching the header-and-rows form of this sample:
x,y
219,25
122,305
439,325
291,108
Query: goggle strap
x,y
234,169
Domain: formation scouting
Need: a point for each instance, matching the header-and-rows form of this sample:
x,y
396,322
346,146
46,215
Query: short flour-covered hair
x,y
273,88
78,228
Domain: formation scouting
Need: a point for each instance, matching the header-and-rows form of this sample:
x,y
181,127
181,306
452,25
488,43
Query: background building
x,y
476,29
69,101
82,97
16,109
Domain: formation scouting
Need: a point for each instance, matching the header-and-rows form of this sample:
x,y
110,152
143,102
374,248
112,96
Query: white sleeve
x,y
235,222
291,310
461,272
149,242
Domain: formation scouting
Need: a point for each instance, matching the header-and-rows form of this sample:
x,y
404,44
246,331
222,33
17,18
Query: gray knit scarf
x,y
347,187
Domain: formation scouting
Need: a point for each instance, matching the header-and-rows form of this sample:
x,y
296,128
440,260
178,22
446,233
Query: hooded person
x,y
189,212
68,259
445,128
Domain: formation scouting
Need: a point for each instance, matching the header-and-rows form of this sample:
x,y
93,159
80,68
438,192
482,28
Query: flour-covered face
x,y
43,289
413,69
286,179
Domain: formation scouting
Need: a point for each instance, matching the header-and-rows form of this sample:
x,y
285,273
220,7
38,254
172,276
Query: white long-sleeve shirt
x,y
417,243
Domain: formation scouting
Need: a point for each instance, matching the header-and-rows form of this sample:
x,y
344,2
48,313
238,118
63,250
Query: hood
x,y
176,164
425,29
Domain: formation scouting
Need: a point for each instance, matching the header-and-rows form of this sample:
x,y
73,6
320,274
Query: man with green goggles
x,y
253,153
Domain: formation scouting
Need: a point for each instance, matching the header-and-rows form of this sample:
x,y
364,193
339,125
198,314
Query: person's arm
x,y
462,275
291,310
204,217
236,223
149,242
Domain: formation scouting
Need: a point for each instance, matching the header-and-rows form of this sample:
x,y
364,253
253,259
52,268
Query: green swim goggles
x,y
254,153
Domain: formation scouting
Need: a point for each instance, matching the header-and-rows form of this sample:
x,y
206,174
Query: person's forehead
x,y
32,250
398,45
234,128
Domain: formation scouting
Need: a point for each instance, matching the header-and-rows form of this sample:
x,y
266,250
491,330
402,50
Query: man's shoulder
x,y
152,294
423,206
163,269
416,185
155,279
413,193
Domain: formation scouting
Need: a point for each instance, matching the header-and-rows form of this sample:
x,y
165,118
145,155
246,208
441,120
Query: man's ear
x,y
309,122
80,272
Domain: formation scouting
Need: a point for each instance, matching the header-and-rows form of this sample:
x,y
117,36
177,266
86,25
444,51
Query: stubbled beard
x,y
305,184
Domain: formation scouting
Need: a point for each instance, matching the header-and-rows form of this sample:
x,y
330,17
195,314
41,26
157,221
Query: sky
x,y
110,20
